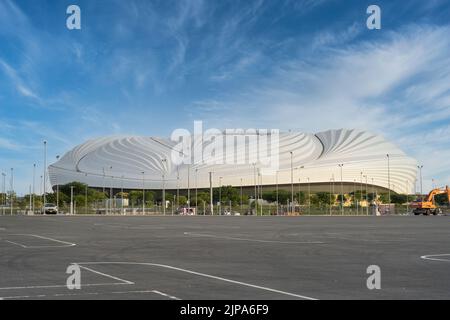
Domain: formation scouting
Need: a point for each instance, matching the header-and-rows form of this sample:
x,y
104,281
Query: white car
x,y
50,208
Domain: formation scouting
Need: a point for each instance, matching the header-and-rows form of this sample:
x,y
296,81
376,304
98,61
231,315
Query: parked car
x,y
49,208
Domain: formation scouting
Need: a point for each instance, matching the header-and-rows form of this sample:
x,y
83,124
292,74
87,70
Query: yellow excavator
x,y
428,206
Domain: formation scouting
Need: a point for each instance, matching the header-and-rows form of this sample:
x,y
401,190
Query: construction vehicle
x,y
428,206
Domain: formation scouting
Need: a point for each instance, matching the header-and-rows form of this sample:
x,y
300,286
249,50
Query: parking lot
x,y
126,257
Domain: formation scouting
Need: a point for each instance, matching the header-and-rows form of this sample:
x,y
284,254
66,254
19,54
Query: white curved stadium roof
x,y
118,161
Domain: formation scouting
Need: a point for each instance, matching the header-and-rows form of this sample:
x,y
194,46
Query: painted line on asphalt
x,y
121,282
65,244
435,257
359,238
250,240
89,294
201,275
166,295
106,275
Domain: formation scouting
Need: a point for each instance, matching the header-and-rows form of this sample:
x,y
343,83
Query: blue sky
x,y
149,67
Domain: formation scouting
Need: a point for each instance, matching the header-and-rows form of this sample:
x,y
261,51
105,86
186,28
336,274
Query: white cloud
x,y
397,86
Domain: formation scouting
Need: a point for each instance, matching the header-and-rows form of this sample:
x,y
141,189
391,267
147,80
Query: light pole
x,y
367,197
211,193
71,200
121,194
220,196
111,207
11,200
86,198
331,193
33,189
407,196
196,190
57,187
341,165
254,178
373,192
143,192
178,187
189,188
309,197
241,197
361,191
276,177
421,184
30,200
45,171
292,182
163,162
261,191
3,193
389,179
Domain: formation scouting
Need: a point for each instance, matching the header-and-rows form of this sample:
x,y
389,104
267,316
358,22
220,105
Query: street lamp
x,y
260,191
256,195
121,193
143,192
33,189
211,193
341,165
196,190
4,192
361,190
57,187
178,187
164,161
421,184
189,188
220,196
86,196
241,197
331,194
276,178
45,170
11,200
367,197
111,191
309,197
292,181
389,179
71,200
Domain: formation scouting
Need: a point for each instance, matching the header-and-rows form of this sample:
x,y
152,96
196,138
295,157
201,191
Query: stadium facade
x,y
352,157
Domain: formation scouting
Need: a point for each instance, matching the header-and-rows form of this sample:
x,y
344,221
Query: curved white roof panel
x,y
120,161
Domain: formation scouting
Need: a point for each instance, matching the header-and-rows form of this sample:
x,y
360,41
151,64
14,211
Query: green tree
x,y
149,197
182,200
324,198
135,197
398,198
384,198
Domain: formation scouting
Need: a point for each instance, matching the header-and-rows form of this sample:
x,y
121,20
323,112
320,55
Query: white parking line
x,y
165,295
106,275
435,257
121,282
88,294
65,244
250,240
201,275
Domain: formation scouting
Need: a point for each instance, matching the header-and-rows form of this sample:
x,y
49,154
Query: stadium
x,y
348,158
